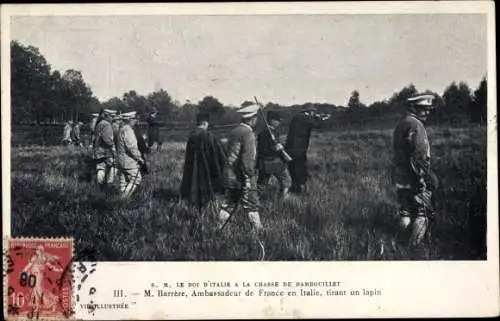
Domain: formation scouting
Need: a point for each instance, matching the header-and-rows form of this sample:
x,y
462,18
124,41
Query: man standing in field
x,y
415,183
270,161
67,133
129,157
92,124
75,133
204,161
297,143
154,130
104,149
239,169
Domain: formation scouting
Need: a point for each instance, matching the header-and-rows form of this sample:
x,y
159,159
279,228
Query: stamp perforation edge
x,y
6,240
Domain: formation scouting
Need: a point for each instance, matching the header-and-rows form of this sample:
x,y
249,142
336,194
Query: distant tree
x,y
457,98
211,105
400,98
161,101
76,94
479,106
30,83
114,103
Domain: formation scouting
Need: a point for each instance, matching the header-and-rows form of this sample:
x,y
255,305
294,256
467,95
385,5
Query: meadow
x,y
348,212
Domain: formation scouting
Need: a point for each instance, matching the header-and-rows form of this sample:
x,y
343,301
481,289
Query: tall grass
x,y
348,212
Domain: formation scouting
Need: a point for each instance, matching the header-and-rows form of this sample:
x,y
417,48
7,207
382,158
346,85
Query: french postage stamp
x,y
37,278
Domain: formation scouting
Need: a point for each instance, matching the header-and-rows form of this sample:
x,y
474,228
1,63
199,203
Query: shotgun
x,y
285,157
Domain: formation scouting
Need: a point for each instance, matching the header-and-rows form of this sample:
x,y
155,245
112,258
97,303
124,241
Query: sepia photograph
x,y
331,137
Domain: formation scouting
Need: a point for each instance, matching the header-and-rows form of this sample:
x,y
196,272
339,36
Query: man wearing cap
x,y
154,130
239,169
269,160
128,155
297,143
204,161
67,133
75,133
92,125
412,174
104,149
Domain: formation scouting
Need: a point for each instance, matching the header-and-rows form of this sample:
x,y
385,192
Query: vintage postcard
x,y
249,160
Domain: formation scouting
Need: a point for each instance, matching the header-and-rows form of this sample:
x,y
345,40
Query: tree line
x,y
42,95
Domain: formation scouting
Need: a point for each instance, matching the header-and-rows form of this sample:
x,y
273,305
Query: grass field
x,y
348,212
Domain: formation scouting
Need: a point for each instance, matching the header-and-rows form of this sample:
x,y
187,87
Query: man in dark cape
x,y
204,161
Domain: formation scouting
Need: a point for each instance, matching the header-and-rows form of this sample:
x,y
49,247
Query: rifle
x,y
285,157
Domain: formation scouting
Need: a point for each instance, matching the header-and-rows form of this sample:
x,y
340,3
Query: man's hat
x,y
248,111
129,115
109,112
424,101
202,117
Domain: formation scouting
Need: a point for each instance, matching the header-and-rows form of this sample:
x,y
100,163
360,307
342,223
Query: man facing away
x,y
297,143
239,169
154,130
75,134
128,155
67,132
269,159
415,183
104,149
203,165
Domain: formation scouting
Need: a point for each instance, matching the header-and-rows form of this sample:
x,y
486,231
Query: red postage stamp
x,y
37,279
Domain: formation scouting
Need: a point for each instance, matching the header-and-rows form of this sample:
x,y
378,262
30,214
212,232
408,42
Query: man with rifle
x,y
271,158
103,149
297,143
239,170
412,175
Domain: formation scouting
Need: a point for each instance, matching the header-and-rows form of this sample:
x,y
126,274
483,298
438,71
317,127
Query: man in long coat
x,y
297,143
239,170
414,181
104,149
203,165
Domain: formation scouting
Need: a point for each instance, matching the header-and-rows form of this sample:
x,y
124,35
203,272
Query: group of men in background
x,y
118,149
71,133
235,170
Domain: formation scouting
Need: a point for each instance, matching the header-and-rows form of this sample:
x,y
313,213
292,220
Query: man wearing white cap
x,y
412,174
129,157
239,169
104,149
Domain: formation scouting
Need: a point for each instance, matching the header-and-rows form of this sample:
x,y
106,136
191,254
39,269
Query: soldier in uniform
x,y
67,133
75,134
269,160
239,169
415,183
104,149
92,124
297,143
128,156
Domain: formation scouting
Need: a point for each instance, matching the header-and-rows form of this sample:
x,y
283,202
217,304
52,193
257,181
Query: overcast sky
x,y
284,59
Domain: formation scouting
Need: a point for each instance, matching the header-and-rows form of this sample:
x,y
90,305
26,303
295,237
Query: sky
x,y
287,59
